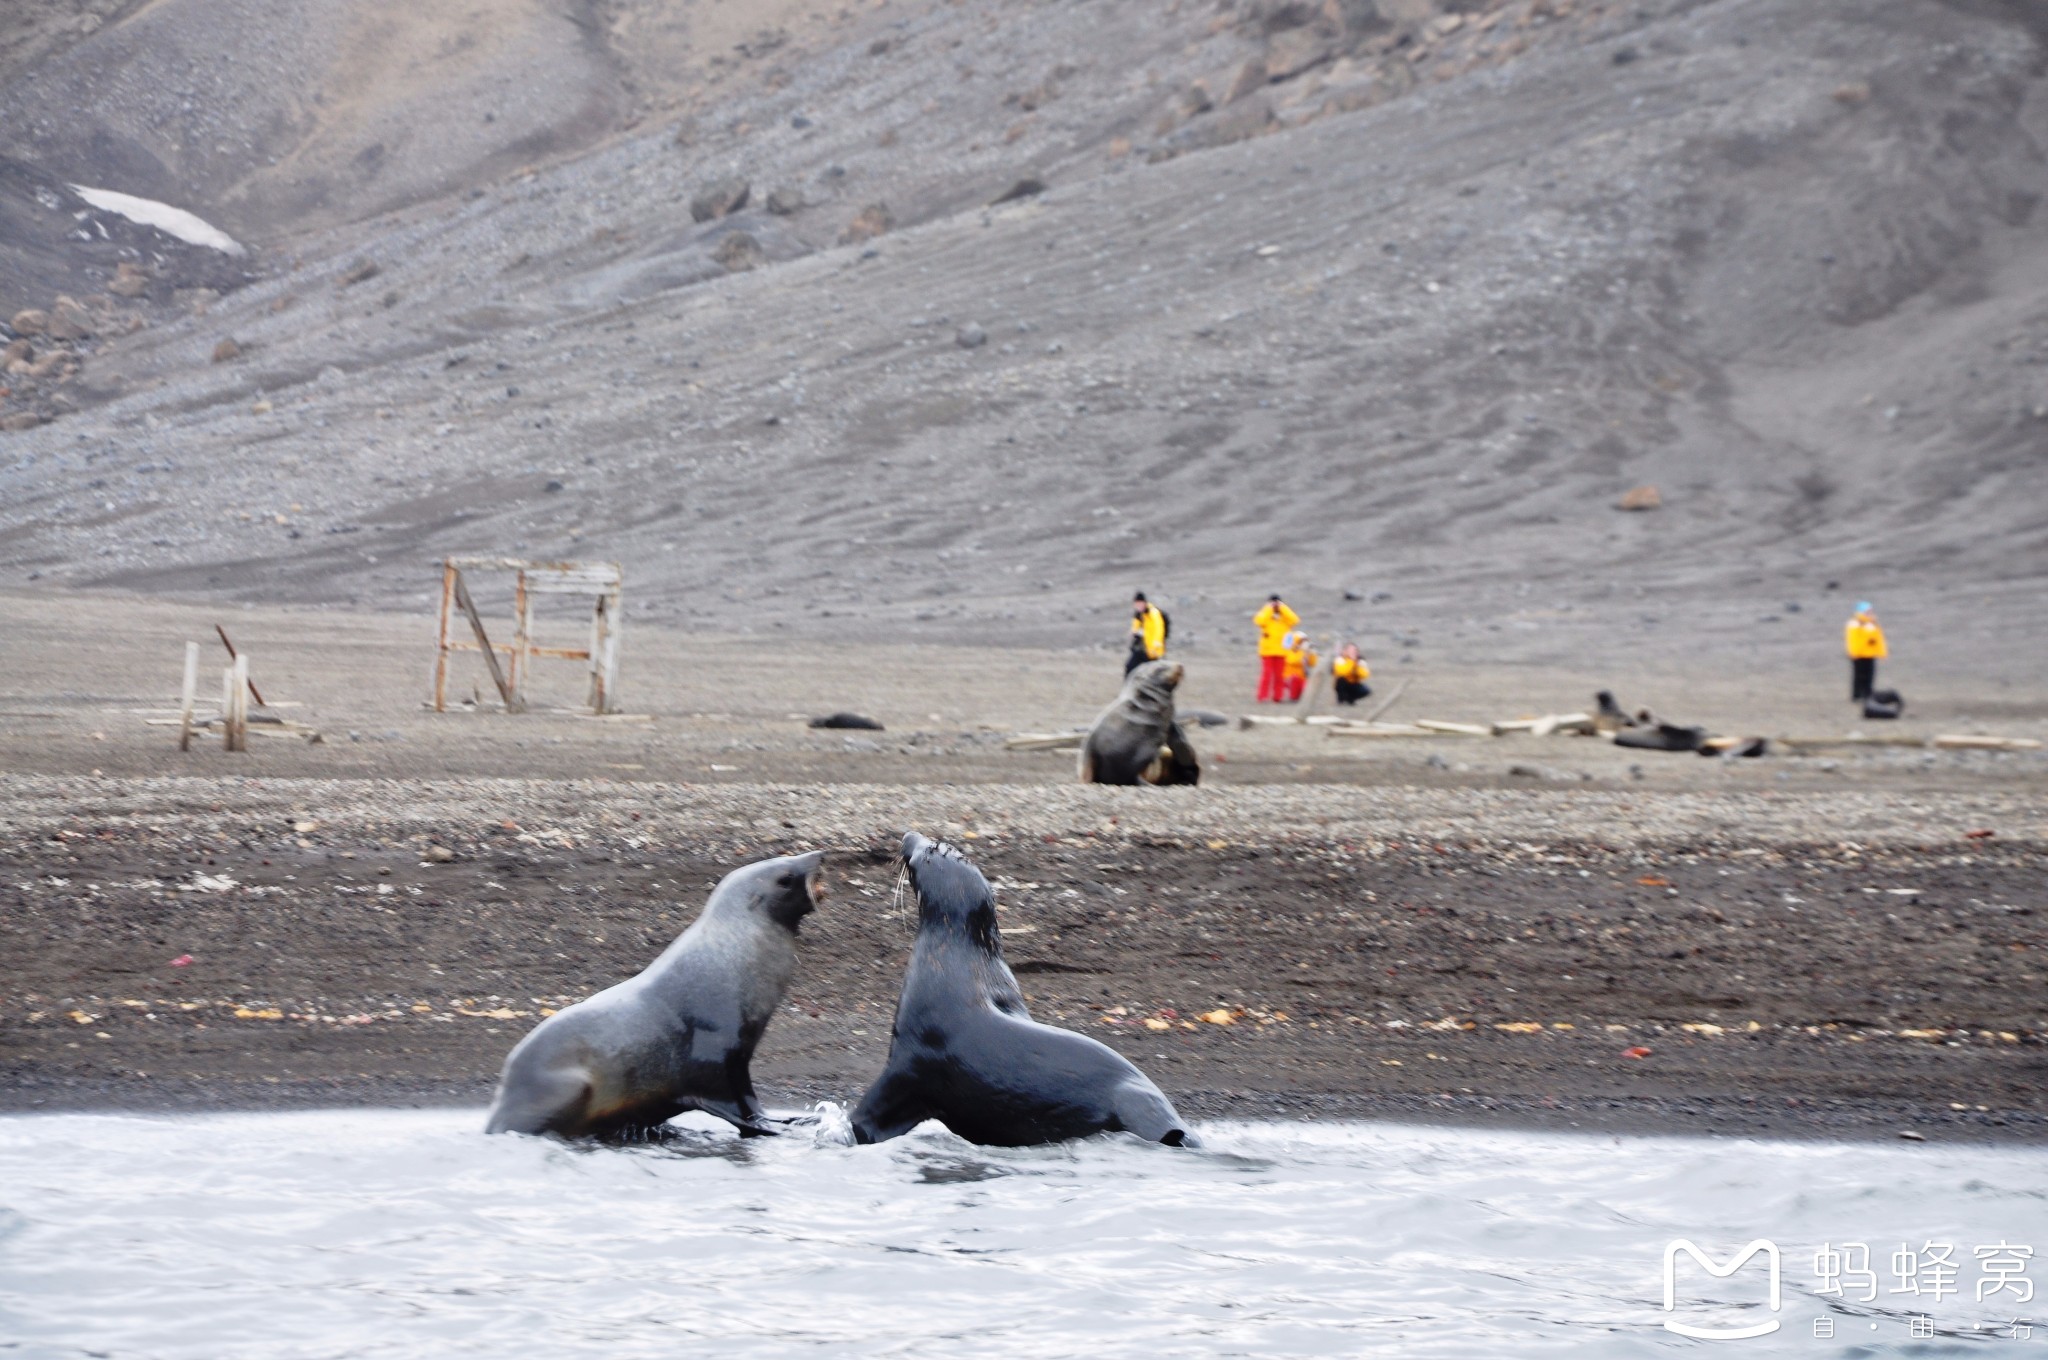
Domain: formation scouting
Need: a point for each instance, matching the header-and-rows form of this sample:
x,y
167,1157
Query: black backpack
x,y
1165,624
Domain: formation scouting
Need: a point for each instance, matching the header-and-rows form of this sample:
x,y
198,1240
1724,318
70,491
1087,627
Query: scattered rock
x,y
1196,99
1289,54
69,320
783,202
1624,55
1640,498
970,336
738,251
20,420
1852,94
1250,76
867,224
30,321
685,133
130,280
16,351
721,198
438,854
227,351
1028,187
360,271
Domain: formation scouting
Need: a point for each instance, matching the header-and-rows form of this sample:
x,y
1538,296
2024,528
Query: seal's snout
x,y
914,846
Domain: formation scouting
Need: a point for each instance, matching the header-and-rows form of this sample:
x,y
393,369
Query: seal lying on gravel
x,y
965,1051
681,1034
1136,738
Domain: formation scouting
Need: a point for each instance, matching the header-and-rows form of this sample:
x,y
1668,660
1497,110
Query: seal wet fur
x,y
966,1052
680,1035
1137,740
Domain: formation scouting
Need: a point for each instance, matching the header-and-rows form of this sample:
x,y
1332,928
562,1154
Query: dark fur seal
x,y
965,1051
681,1034
1136,739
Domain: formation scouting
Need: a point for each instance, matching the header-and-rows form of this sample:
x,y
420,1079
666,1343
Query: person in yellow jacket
x,y
1351,673
1148,633
1273,621
1295,664
1864,638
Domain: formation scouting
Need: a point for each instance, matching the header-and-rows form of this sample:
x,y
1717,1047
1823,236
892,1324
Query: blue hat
x,y
1863,606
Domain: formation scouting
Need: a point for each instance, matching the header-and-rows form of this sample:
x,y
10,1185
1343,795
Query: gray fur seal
x,y
966,1052
681,1034
1136,740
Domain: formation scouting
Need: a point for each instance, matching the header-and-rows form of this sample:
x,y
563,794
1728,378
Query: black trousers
x,y
1351,691
1137,657
1862,675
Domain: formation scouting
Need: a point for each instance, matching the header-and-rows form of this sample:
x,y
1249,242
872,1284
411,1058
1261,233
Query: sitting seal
x,y
680,1035
1136,738
965,1051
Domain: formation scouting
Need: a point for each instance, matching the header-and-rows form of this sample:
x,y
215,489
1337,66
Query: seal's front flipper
x,y
751,1123
1182,765
890,1109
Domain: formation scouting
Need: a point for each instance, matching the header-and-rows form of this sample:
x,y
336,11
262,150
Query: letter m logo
x,y
1767,1248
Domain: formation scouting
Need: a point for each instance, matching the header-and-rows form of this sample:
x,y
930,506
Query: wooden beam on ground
x,y
1968,742
1044,741
1453,729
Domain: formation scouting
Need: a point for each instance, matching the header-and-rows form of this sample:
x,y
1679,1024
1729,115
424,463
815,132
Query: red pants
x,y
1293,685
1272,679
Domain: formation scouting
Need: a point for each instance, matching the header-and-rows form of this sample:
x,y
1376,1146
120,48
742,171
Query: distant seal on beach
x,y
1136,740
681,1034
966,1052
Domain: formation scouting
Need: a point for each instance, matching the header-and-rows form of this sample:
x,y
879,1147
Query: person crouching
x,y
1351,673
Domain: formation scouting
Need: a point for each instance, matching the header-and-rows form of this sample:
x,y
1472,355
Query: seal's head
x,y
1153,684
782,890
950,890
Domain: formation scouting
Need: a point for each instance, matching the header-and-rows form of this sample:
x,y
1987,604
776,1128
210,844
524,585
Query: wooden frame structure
x,y
604,580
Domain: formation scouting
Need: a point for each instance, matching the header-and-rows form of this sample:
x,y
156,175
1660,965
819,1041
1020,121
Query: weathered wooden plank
x,y
490,653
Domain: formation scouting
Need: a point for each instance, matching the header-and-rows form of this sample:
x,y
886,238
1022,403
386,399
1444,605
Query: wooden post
x,y
483,642
189,696
605,623
522,638
448,574
234,706
1318,687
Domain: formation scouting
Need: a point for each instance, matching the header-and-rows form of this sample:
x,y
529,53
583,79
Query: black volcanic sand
x,y
1855,993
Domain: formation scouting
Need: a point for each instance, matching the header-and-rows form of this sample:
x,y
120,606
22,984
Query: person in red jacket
x,y
1274,622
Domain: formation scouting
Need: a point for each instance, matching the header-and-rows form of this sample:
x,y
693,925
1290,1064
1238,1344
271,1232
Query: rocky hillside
x,y
967,318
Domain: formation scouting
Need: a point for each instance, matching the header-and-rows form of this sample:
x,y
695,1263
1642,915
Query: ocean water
x,y
410,1234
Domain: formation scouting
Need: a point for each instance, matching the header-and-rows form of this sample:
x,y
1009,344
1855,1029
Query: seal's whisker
x,y
897,908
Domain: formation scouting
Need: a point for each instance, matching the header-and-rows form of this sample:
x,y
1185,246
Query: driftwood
x,y
1966,742
1045,741
1369,730
1453,729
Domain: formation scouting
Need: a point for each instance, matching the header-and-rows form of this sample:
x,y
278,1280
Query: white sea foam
x,y
187,227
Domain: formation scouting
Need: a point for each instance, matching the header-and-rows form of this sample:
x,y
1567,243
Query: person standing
x,y
1273,621
1864,638
1148,633
1351,673
1296,663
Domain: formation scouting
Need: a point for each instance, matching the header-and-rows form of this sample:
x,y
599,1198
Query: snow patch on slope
x,y
171,221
